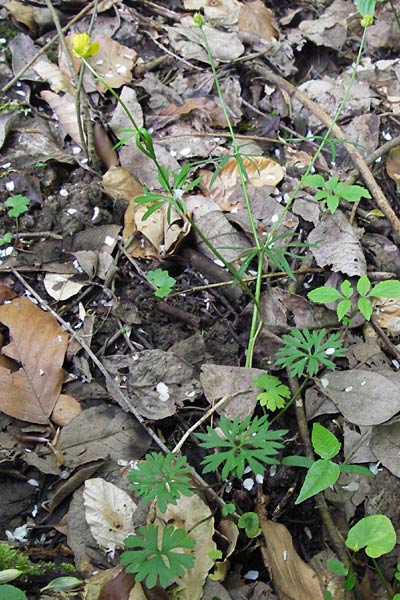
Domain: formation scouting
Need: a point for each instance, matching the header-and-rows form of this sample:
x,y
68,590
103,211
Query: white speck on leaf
x,y
162,389
330,351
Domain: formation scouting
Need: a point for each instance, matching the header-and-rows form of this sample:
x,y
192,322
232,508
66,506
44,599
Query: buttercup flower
x,y
82,47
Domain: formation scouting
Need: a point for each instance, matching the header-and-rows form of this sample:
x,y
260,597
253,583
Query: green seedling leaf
x,y
228,509
324,295
321,475
386,289
356,469
275,394
332,203
165,478
154,559
349,582
363,285
17,205
215,554
327,595
10,592
298,461
365,307
343,308
325,443
250,522
7,575
336,566
375,533
241,443
314,181
162,281
353,193
6,239
346,288
63,584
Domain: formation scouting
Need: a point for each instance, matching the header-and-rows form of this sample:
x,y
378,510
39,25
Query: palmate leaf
x,y
275,392
163,477
153,558
306,351
241,443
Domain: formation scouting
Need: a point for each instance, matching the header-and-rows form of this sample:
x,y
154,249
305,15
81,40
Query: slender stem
x,y
327,134
382,578
396,14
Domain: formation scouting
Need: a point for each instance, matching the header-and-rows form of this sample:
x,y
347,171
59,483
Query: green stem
x,y
257,320
382,578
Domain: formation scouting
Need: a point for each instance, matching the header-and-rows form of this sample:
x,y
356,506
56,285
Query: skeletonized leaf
x,y
109,512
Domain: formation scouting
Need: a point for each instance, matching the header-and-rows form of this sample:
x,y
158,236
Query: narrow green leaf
x,y
343,308
324,442
386,289
321,475
356,469
363,285
324,295
365,307
297,461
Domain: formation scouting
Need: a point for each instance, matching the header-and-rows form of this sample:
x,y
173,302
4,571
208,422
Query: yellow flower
x,y
82,47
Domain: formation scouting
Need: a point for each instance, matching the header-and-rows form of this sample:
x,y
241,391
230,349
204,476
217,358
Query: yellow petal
x,y
82,47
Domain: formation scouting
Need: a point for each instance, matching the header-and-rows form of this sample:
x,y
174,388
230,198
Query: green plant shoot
x,y
375,533
274,394
332,191
326,294
162,282
158,558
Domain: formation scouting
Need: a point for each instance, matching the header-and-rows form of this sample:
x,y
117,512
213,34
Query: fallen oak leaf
x,y
38,345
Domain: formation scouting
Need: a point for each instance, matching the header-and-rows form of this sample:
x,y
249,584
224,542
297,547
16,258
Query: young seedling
x,y
274,394
332,191
305,352
157,557
322,473
165,478
250,522
162,282
326,294
17,205
10,592
241,443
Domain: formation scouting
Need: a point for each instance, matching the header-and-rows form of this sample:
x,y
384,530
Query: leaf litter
x,y
121,340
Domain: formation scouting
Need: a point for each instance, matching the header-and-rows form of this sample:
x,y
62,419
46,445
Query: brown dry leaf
x,y
38,344
261,172
114,62
292,577
51,73
64,108
119,183
223,12
22,13
388,314
207,106
393,165
66,409
256,18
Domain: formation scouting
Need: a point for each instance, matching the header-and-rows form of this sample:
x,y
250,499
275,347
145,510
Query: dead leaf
x,y
363,397
8,121
393,165
66,409
119,183
387,314
51,73
186,41
120,119
292,577
222,12
335,242
193,515
22,13
386,447
109,513
157,381
207,106
64,108
38,345
256,18
328,31
114,62
61,287
233,383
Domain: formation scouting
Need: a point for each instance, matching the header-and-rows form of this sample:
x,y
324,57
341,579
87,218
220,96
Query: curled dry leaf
x,y
223,12
109,512
393,165
37,345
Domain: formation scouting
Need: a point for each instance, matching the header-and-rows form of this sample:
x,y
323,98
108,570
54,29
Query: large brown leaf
x,y
38,345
